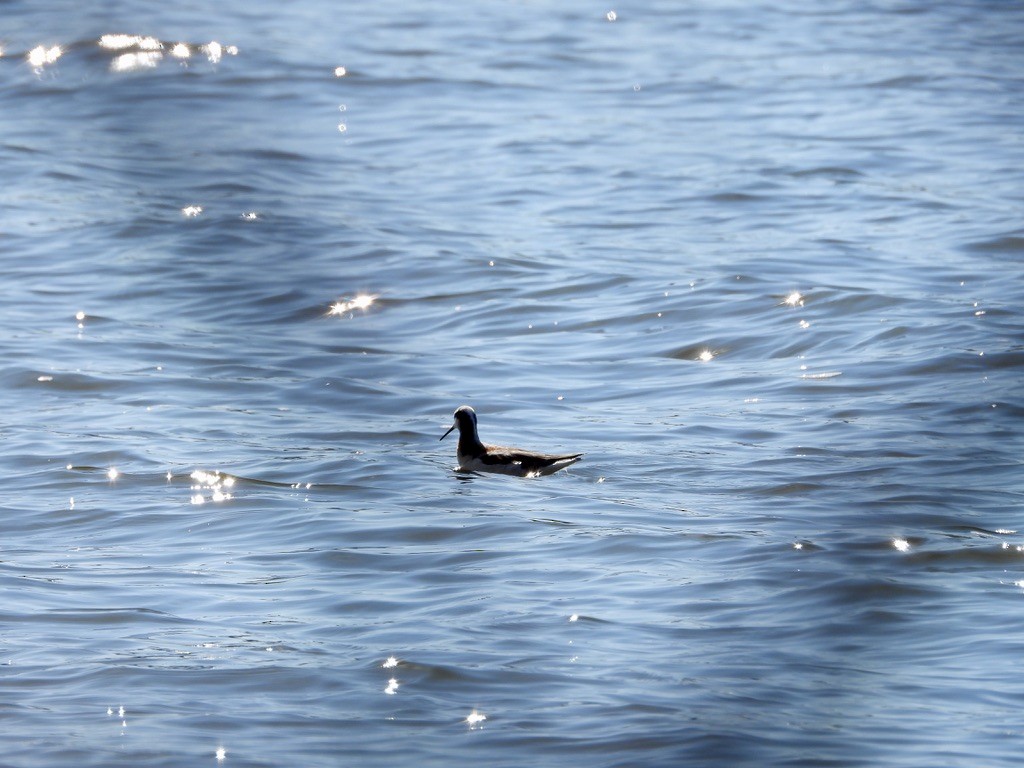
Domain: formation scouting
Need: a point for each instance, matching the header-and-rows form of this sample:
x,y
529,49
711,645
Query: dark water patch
x,y
903,81
734,197
832,172
106,617
1006,244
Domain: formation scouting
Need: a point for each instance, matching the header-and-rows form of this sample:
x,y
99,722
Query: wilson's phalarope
x,y
475,456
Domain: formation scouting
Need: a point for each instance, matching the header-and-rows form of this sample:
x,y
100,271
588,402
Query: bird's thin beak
x,y
442,437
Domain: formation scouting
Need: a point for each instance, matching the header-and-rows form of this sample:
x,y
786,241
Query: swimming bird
x,y
475,456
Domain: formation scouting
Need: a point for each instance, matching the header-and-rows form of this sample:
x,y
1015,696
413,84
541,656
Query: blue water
x,y
760,262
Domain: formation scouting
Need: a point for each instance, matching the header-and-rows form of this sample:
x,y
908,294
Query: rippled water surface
x,y
760,262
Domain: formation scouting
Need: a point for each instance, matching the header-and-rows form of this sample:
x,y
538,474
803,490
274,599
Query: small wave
x,y
1005,244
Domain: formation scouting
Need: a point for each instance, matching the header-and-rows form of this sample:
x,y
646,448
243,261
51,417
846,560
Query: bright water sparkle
x,y
761,264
